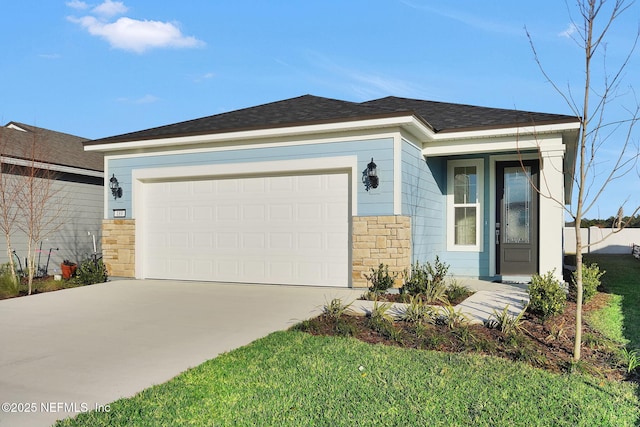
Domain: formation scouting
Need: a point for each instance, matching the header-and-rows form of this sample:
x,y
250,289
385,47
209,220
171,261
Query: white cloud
x,y
110,8
77,4
571,29
132,34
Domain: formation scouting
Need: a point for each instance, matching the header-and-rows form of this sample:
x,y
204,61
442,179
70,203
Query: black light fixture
x,y
370,176
372,173
116,191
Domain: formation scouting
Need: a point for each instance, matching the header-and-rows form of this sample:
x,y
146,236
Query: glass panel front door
x,y
516,218
517,204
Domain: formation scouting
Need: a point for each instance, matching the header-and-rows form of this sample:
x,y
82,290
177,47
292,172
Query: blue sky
x,y
96,69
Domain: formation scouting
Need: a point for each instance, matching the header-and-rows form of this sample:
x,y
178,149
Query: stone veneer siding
x,y
118,246
380,239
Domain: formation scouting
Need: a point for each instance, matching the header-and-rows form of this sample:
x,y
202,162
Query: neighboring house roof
x,y
309,109
21,141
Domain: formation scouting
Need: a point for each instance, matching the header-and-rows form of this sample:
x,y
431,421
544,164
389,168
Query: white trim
x,y
410,122
524,130
547,142
479,204
50,166
105,195
397,175
256,145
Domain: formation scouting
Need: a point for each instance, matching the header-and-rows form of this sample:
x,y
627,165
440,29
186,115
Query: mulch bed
x,y
544,344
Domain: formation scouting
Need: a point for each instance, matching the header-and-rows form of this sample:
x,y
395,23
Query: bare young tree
x,y
597,127
40,204
9,195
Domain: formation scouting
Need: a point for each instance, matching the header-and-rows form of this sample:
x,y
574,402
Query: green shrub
x,y
507,323
546,296
381,321
380,279
418,312
9,285
630,359
90,272
591,275
336,308
450,317
456,291
427,281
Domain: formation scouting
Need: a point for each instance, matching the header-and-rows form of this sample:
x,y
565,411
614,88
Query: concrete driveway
x,y
68,351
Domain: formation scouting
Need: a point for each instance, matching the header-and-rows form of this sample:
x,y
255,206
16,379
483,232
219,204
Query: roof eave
x,y
412,123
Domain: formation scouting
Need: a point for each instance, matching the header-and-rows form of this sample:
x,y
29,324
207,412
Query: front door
x,y
517,218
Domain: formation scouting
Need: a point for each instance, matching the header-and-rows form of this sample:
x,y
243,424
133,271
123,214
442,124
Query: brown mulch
x,y
546,344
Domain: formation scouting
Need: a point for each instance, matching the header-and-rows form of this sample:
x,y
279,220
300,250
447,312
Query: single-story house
x,y
73,218
318,191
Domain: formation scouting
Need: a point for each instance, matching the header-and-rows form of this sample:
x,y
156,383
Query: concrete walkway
x,y
479,307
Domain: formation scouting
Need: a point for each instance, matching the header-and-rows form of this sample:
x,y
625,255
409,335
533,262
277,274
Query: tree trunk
x,y
577,344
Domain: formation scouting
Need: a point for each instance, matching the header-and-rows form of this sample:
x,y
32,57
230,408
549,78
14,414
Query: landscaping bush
x,y
591,275
456,291
427,281
9,285
546,296
90,272
380,279
336,308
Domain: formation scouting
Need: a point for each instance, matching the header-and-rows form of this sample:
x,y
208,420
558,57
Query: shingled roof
x,y
19,141
309,109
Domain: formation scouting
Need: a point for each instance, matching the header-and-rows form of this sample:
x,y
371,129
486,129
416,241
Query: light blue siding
x,y
473,264
424,189
423,199
373,202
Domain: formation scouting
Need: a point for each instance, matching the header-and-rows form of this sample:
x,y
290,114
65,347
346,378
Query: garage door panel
x,y
252,186
284,229
179,214
202,187
253,212
202,213
227,213
281,184
226,186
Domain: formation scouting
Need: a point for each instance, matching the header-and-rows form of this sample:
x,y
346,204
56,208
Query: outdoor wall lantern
x,y
116,191
370,176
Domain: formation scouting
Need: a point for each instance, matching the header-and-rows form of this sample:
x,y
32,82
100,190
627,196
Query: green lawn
x,y
296,379
621,320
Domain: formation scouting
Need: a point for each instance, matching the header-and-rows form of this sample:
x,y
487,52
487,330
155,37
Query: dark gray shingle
x,y
309,109
47,146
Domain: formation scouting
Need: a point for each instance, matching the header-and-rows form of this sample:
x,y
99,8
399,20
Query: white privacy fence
x,y
620,242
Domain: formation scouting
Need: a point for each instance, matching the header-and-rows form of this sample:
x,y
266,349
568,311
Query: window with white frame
x,y
464,204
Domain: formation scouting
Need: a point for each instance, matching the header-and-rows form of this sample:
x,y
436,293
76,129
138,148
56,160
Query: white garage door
x,y
275,229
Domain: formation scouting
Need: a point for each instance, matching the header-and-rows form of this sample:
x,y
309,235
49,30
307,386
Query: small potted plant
x,y
68,269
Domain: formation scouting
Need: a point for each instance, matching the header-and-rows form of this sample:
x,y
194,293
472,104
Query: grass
x,y
296,379
620,320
